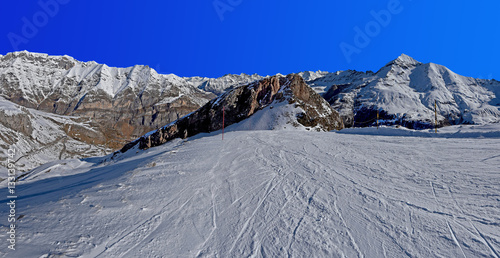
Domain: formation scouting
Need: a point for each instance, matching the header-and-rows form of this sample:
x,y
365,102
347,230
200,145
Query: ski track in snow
x,y
272,194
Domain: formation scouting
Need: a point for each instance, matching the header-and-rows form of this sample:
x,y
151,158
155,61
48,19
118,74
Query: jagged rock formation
x,y
309,110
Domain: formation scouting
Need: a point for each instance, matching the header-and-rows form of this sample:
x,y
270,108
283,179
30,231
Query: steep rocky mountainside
x,y
404,92
121,103
288,97
39,137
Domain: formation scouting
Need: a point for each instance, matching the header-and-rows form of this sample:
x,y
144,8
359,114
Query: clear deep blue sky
x,y
193,38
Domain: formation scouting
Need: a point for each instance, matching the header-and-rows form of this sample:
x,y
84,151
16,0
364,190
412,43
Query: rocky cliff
x,y
300,104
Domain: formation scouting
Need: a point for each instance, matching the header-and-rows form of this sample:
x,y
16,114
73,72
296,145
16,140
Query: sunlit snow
x,y
274,194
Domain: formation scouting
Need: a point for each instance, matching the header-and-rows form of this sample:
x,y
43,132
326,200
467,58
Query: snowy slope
x,y
268,194
276,116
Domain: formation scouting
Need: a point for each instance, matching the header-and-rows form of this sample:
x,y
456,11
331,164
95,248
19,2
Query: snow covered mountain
x,y
55,107
404,92
274,193
122,103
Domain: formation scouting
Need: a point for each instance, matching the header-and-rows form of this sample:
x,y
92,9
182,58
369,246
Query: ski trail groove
x,y
269,189
485,242
294,233
133,236
351,238
453,235
156,218
214,211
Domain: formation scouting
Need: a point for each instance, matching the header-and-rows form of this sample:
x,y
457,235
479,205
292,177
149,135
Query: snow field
x,y
271,194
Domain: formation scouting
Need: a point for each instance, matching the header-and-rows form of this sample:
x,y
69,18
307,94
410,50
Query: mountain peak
x,y
404,59
34,55
26,58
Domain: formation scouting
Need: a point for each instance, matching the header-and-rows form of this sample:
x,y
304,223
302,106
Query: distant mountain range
x,y
57,107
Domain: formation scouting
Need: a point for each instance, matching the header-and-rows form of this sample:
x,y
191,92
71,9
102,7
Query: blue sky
x,y
216,37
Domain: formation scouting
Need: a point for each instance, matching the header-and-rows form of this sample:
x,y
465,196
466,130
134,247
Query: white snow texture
x,y
280,193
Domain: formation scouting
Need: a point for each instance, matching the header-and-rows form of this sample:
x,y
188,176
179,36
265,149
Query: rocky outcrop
x,y
243,102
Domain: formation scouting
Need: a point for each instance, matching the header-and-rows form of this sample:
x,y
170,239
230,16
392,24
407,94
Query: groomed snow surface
x,y
269,194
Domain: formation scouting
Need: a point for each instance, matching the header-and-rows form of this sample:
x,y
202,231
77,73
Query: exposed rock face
x,y
38,137
123,103
242,102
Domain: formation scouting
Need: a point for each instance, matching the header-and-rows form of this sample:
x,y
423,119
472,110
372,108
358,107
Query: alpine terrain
x,y
109,107
113,106
126,162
